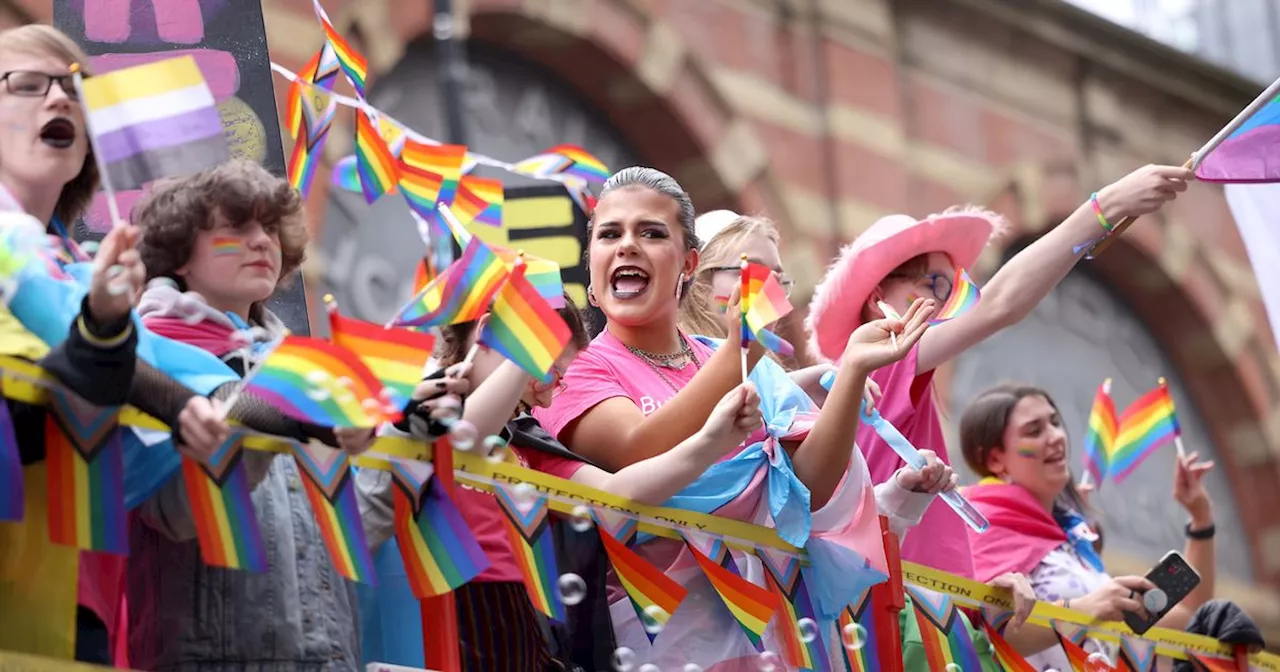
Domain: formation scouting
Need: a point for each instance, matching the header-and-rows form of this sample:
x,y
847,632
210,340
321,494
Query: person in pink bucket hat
x,y
900,258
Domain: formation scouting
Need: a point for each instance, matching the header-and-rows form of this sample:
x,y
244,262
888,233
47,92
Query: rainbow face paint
x,y
225,246
722,304
1031,453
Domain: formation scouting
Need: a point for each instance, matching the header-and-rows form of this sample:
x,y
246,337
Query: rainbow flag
x,y
461,293
524,329
763,303
84,462
1145,426
1247,153
429,174
328,482
324,384
565,159
752,606
654,595
964,296
353,65
309,147
528,524
858,630
946,640
1100,440
1076,655
1136,655
395,356
543,274
479,200
794,606
226,525
152,121
378,170
1204,663
1008,657
438,549
11,491
322,71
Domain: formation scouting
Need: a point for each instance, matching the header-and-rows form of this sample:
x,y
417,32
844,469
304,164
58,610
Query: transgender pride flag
x,y
1248,148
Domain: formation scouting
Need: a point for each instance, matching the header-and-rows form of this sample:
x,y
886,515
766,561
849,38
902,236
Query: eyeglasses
x,y
939,284
31,84
784,280
556,384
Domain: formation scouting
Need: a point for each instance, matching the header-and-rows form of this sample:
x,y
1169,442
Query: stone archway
x,y
1154,304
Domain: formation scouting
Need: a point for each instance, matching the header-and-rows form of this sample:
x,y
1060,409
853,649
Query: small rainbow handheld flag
x,y
763,302
309,146
479,200
12,503
461,293
378,170
1244,151
85,466
226,525
528,524
858,630
1009,658
438,549
946,640
752,606
321,71
152,121
543,274
793,605
330,488
1100,440
1136,655
395,356
964,296
1145,426
354,66
654,595
524,329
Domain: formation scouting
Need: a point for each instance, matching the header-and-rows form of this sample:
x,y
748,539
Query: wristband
x,y
1097,211
1201,535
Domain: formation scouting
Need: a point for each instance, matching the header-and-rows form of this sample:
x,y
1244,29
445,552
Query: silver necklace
x,y
666,360
685,351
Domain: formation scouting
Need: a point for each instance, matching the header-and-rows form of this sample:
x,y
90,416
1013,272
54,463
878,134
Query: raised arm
x,y
1030,275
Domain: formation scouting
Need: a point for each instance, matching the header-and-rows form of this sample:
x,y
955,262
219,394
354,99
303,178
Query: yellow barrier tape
x,y
1171,643
21,662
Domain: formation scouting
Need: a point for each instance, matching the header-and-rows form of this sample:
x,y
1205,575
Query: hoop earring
x,y
591,296
680,287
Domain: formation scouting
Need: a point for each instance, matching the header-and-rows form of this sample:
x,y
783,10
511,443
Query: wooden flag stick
x,y
1124,224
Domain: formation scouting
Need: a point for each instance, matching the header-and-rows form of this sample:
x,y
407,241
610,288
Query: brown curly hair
x,y
239,192
44,40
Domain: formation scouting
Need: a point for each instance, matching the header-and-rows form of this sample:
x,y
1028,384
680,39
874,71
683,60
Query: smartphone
x,y
1174,580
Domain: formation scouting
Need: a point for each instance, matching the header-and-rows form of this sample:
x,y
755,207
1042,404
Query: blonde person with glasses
x,y
725,237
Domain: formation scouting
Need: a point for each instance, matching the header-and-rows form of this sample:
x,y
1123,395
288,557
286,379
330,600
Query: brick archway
x,y
1210,325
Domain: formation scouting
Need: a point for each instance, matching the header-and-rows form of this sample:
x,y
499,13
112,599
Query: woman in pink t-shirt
x,y
900,258
643,387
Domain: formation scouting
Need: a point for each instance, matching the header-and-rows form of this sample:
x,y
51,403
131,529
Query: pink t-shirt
x,y
941,540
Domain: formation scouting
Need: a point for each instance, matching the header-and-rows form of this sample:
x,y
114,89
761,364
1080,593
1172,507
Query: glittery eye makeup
x,y
225,246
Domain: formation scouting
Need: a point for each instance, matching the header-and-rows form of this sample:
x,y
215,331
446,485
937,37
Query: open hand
x,y
936,476
881,342
118,275
1189,490
201,429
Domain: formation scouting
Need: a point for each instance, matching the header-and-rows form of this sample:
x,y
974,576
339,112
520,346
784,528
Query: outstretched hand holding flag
x,y
763,302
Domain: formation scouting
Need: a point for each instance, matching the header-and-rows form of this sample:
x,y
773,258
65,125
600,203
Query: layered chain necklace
x,y
678,361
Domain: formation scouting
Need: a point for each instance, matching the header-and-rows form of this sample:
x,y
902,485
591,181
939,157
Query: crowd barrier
x,y
26,382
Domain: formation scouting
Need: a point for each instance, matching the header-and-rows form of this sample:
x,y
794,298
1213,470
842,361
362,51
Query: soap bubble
x,y
952,667
524,493
808,629
495,448
624,659
649,667
768,662
572,589
1098,662
855,636
463,435
344,382
318,394
692,667
581,519
90,247
115,285
654,618
317,377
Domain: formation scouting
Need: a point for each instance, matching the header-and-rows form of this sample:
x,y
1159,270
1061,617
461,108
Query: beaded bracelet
x,y
1097,211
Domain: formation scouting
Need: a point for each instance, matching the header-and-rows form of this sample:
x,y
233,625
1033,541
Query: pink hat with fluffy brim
x,y
836,309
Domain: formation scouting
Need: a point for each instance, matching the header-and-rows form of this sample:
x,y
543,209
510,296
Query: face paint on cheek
x,y
225,246
1030,453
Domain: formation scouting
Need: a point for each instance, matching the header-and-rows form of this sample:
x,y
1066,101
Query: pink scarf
x,y
1021,531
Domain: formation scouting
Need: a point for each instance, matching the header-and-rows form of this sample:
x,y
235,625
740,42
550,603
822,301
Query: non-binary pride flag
x,y
152,121
763,302
1100,439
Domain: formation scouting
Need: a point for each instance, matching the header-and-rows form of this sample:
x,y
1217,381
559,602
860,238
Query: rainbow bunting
x,y
331,489
429,174
946,641
654,595
528,523
438,549
395,356
1076,655
322,71
379,173
763,302
621,526
524,329
964,296
11,491
565,159
1010,660
324,384
344,175
1136,655
858,630
479,200
1202,663
752,606
85,468
794,605
1145,426
461,293
226,525
354,66
1100,440
308,149
1247,153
